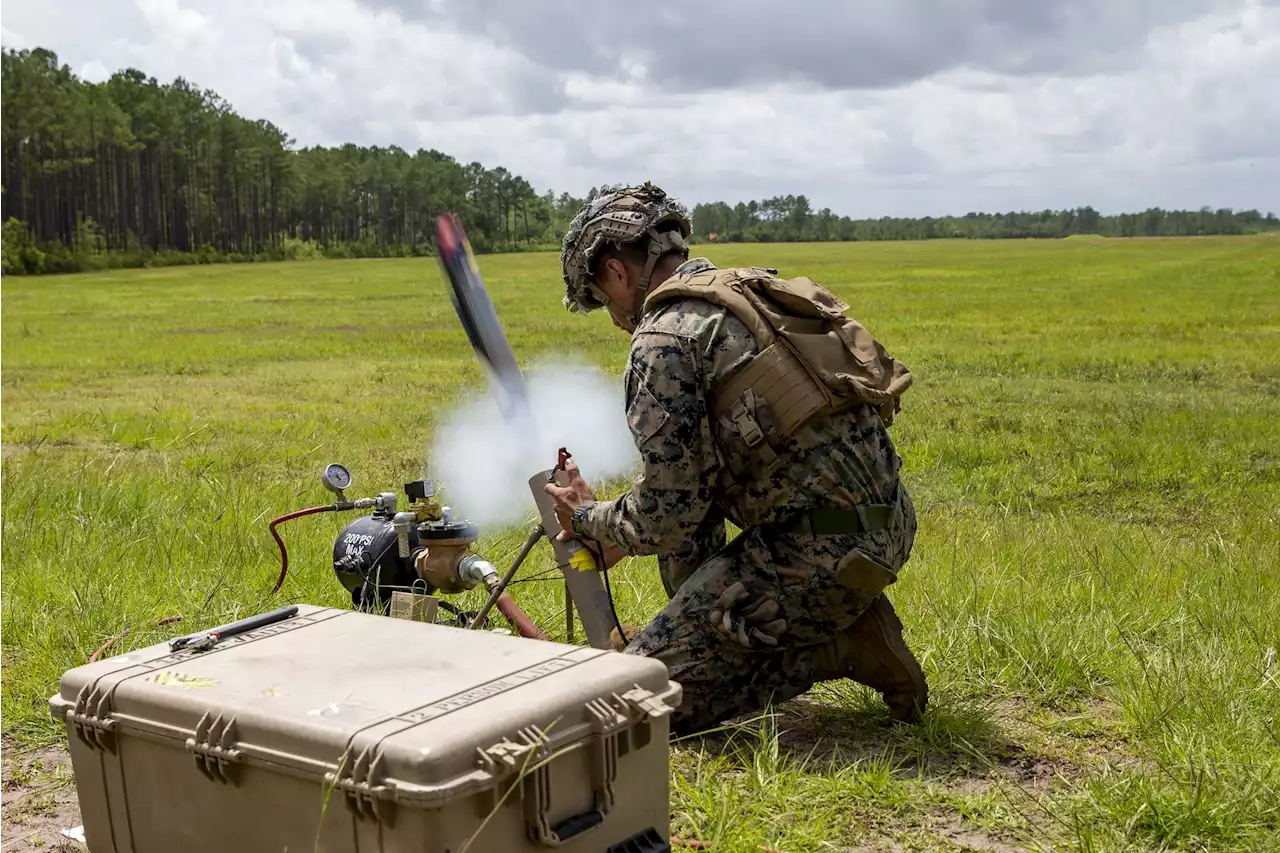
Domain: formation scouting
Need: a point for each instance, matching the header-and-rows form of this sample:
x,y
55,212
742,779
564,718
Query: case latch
x,y
358,781
531,759
213,746
608,725
90,718
501,758
646,702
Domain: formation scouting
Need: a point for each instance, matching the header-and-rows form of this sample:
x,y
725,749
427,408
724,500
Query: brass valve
x,y
446,561
438,563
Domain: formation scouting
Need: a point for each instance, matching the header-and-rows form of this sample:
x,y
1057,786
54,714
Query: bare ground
x,y
37,801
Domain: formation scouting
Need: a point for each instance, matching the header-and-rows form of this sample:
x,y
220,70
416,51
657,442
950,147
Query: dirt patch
x,y
30,446
1004,747
38,801
1091,735
35,446
959,740
938,832
955,832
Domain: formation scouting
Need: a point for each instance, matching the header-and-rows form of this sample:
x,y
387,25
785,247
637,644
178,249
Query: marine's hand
x,y
574,492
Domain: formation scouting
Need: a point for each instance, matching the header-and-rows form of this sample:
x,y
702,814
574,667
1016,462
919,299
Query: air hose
x,y
284,554
517,617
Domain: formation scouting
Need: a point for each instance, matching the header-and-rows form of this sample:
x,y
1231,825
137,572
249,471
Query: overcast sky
x,y
896,107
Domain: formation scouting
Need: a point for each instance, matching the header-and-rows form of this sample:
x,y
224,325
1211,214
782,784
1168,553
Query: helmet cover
x,y
617,215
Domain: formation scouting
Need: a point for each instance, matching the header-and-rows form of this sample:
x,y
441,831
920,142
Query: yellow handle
x,y
582,560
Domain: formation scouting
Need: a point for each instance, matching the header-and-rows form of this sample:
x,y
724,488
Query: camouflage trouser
x,y
721,677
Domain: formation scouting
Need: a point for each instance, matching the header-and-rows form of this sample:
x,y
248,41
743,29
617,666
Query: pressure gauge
x,y
336,478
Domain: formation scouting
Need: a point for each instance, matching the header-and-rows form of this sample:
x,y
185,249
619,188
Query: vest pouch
x,y
803,297
863,574
838,350
762,405
747,432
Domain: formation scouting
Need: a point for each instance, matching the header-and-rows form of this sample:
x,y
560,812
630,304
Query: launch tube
x,y
585,585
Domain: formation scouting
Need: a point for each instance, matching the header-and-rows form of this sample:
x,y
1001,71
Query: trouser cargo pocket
x,y
861,572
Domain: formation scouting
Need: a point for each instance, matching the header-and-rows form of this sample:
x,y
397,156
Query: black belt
x,y
829,521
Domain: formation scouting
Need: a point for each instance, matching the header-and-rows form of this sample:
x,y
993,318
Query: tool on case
x,y
205,640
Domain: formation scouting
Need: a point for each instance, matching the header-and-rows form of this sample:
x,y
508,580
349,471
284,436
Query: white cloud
x,y
13,40
1177,112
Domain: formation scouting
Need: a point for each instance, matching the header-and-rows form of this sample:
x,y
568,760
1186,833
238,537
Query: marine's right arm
x,y
667,414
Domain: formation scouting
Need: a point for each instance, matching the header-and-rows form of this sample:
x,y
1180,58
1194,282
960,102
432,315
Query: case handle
x,y
538,802
607,725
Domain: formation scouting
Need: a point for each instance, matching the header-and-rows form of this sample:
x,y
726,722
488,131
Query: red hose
x,y
284,554
517,617
93,658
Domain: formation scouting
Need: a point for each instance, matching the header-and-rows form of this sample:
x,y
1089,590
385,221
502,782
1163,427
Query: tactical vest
x,y
812,360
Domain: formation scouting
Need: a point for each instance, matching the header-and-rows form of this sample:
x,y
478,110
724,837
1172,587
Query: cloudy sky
x,y
870,107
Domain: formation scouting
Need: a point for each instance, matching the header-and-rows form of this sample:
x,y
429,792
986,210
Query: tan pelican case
x,y
336,730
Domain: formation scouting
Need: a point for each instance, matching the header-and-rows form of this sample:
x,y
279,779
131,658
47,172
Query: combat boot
x,y
873,652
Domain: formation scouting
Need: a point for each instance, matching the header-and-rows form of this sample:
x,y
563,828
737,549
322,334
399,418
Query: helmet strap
x,y
659,245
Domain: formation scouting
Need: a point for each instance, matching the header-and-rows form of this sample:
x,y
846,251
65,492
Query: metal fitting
x,y
403,523
474,570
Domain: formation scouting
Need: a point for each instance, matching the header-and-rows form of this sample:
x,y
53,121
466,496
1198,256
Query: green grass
x,y
1092,441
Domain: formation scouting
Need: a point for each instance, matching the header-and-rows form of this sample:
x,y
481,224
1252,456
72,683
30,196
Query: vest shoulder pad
x,y
722,287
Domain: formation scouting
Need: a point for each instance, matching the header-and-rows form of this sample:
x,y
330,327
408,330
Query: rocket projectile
x,y
479,319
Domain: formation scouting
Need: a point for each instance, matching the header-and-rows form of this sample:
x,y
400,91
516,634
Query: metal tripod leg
x,y
534,535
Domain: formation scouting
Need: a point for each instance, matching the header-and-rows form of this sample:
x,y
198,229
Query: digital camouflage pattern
x,y
735,648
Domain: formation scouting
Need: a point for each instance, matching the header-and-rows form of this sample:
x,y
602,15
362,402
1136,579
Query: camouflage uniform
x,y
763,618
679,355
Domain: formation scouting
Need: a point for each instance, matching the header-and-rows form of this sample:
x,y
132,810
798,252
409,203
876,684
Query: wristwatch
x,y
579,518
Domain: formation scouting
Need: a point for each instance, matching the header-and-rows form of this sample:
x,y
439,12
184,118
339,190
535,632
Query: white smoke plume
x,y
482,462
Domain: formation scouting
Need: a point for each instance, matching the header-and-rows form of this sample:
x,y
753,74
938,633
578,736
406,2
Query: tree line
x,y
133,172
792,219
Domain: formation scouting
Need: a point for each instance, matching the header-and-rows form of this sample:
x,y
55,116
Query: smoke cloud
x,y
482,462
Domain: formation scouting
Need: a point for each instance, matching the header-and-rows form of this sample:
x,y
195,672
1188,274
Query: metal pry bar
x,y
205,640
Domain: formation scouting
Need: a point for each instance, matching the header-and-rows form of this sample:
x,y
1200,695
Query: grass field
x,y
1092,442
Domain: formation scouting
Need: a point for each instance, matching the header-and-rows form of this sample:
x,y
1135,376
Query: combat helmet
x,y
618,215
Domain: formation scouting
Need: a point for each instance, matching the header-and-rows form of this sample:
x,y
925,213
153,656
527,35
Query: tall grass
x,y
1091,442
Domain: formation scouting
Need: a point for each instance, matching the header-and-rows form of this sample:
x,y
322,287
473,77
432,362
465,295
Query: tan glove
x,y
617,642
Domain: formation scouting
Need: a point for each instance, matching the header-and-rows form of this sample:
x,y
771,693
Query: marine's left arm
x,y
667,414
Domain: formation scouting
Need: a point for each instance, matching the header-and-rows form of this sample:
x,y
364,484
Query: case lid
x,y
395,709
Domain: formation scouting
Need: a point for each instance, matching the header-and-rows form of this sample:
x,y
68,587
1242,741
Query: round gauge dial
x,y
336,477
